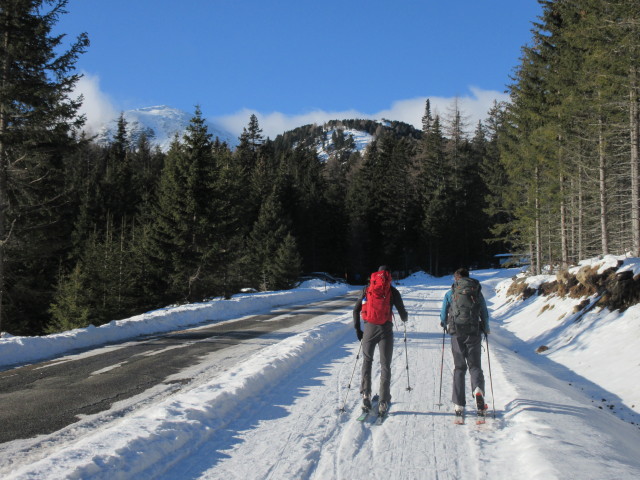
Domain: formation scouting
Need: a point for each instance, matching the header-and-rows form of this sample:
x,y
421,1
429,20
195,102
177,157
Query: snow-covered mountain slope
x,y
160,123
358,141
341,138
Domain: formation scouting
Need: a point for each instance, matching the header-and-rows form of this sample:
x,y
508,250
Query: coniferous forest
x,y
91,233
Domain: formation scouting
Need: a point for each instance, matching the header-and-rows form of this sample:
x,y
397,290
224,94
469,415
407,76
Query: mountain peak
x,y
160,123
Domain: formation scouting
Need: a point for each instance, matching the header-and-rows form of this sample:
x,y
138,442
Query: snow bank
x,y
175,428
21,350
602,346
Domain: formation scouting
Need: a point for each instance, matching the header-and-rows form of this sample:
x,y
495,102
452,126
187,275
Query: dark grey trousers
x,y
382,336
467,351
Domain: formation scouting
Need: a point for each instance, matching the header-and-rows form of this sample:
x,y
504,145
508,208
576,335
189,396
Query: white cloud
x,y
473,106
97,106
100,109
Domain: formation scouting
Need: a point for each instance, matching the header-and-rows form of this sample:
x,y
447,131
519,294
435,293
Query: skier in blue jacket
x,y
466,346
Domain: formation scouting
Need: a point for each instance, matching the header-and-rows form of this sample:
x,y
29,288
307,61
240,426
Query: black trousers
x,y
467,351
382,336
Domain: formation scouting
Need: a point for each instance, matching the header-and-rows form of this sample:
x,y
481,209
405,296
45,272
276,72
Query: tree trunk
x,y
532,260
634,131
563,216
538,228
602,167
572,217
580,214
4,197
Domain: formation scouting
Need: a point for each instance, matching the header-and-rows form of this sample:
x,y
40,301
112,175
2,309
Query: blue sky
x,y
296,61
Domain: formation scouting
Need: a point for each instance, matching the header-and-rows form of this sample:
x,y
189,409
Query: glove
x,y
359,334
485,329
405,318
444,327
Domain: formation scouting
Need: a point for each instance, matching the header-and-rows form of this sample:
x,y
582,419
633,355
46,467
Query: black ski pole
x,y
351,379
441,368
493,400
406,356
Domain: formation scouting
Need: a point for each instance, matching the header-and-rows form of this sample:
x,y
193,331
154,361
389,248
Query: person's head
x,y
460,273
383,268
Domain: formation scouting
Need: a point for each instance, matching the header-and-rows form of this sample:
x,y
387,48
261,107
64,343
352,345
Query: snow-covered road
x,y
275,416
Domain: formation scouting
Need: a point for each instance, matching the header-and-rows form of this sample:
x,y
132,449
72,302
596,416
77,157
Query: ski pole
x,y
441,368
493,400
351,379
406,356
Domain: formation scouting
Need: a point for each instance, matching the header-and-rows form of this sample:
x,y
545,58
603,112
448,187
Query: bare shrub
x,y
545,308
581,305
520,289
548,288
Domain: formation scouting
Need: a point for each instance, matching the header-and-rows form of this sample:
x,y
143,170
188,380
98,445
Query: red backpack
x,y
377,307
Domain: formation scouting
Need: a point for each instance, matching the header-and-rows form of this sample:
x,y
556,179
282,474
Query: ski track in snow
x,y
276,416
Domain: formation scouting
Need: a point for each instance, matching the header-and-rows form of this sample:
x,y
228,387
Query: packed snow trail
x,y
275,416
296,431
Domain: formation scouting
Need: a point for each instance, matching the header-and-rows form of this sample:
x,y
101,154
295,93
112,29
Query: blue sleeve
x,y
484,312
445,307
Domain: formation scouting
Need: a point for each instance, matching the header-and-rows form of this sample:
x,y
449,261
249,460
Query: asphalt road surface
x,y
46,397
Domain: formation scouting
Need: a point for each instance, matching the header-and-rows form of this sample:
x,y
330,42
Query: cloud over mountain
x,y
99,110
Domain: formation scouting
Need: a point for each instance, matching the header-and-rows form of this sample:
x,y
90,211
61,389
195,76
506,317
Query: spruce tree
x,y
38,118
436,196
120,198
250,162
495,179
267,236
251,140
70,308
183,235
287,264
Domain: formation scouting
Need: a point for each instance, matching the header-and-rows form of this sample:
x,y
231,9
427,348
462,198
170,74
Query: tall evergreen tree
x,y
70,308
37,120
265,242
287,264
495,179
120,198
251,140
183,236
436,196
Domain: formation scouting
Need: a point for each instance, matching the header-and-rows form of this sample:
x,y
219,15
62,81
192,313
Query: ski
x,y
459,418
482,415
481,409
481,419
366,411
381,418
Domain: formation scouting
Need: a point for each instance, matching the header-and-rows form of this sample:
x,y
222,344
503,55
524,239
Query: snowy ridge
x,y
160,124
361,140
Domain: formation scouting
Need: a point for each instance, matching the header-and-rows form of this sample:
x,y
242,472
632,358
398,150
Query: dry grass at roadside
x,y
617,290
